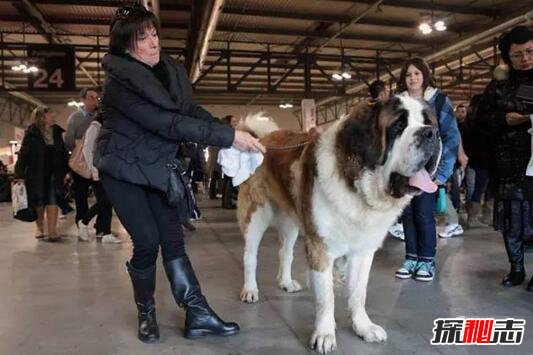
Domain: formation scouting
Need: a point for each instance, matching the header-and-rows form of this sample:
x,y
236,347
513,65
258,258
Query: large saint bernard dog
x,y
341,190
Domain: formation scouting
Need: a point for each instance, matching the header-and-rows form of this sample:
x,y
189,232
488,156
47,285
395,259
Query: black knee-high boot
x,y
143,291
514,246
200,319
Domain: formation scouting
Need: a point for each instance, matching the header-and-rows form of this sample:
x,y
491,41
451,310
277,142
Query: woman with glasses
x,y
507,119
147,111
42,165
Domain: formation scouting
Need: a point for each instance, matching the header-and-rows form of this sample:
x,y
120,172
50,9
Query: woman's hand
x,y
515,118
246,142
95,175
463,159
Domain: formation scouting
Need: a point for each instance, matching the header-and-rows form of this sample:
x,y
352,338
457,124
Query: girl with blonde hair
x,y
42,165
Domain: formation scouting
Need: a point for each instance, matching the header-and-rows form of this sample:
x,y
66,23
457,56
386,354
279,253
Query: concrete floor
x,y
73,298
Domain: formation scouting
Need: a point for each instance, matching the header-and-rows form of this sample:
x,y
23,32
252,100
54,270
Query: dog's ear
x,y
360,139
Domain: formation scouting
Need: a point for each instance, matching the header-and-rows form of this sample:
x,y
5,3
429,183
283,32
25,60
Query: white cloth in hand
x,y
239,165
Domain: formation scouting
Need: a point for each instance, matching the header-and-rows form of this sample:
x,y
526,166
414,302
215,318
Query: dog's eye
x,y
427,121
398,126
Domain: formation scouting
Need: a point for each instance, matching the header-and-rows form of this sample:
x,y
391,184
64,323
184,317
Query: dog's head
x,y
399,138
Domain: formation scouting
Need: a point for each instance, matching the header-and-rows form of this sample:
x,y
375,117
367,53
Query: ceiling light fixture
x,y
74,103
425,28
24,68
286,105
440,26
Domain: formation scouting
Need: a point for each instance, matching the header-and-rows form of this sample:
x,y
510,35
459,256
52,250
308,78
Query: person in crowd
x,y
102,207
194,164
453,199
77,125
507,119
418,218
228,190
214,171
478,147
148,111
379,91
42,165
3,168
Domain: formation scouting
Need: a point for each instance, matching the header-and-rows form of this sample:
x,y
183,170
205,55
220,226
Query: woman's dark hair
x,y
419,64
376,88
128,22
227,119
518,35
473,107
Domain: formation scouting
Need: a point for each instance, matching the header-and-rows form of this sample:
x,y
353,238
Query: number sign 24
x,y
43,80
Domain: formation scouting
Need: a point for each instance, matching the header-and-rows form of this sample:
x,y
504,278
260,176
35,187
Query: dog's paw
x,y
371,332
291,286
249,296
324,343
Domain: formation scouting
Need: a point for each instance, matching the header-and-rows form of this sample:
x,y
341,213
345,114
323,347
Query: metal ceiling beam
x,y
204,18
27,8
13,90
430,5
356,19
298,33
317,17
454,48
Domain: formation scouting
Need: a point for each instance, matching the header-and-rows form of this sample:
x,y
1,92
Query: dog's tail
x,y
258,124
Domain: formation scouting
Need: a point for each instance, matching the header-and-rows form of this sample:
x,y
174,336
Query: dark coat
x,y
511,145
476,144
31,164
144,122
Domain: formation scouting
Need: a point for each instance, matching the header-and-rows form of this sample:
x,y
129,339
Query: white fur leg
x,y
359,270
323,339
288,232
254,233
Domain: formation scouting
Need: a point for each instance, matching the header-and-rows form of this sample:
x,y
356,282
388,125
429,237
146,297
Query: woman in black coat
x,y
508,119
42,165
148,110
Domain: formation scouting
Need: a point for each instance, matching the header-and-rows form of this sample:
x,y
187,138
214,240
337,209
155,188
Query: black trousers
x,y
81,192
148,218
102,208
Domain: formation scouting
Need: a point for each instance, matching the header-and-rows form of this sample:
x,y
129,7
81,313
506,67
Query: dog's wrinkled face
x,y
400,137
413,146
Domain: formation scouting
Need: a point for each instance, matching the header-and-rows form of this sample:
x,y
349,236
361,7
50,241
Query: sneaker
x,y
451,230
407,270
425,271
396,230
110,238
83,235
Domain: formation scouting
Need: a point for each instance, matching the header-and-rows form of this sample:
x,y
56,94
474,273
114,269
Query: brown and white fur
x,y
342,191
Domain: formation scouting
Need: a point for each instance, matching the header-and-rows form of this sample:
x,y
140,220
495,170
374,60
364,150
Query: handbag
x,y
77,160
179,193
22,210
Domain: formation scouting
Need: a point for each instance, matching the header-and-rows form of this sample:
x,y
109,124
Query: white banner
x,y
308,114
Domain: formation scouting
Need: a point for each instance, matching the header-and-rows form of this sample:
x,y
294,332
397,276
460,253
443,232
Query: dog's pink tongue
x,y
422,180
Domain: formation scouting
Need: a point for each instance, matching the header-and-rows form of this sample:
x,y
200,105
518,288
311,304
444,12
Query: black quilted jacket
x,y
33,167
144,122
511,145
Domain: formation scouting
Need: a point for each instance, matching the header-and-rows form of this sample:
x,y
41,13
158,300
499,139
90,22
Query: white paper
x,y
529,171
19,197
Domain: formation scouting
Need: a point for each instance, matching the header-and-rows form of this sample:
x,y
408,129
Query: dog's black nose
x,y
428,133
